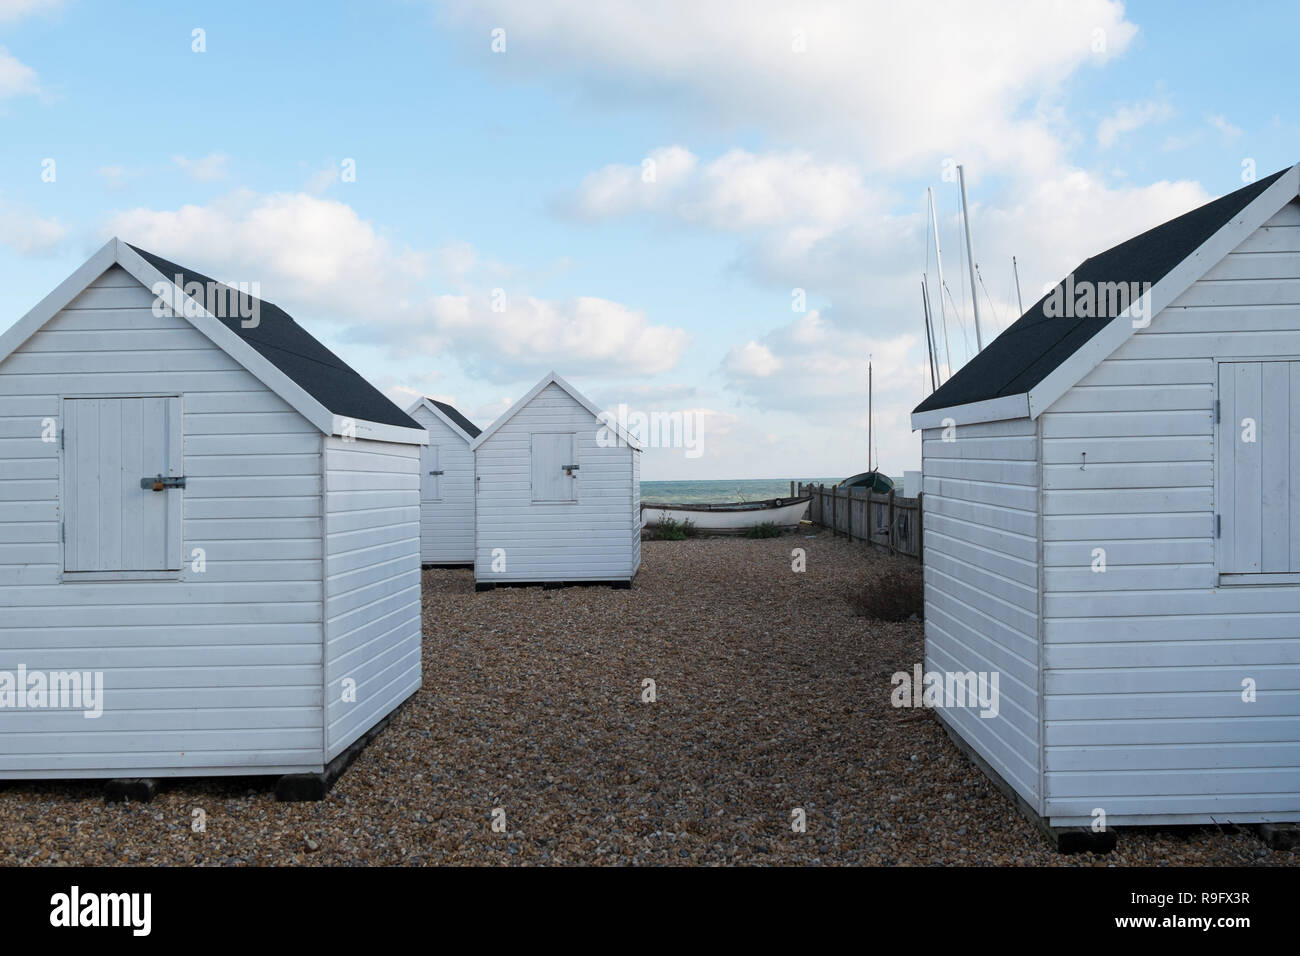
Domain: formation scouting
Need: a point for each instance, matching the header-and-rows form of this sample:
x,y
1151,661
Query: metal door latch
x,y
570,469
158,483
435,473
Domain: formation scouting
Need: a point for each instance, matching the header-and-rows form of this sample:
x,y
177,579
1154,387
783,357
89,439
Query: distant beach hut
x,y
558,493
206,513
446,484
1112,524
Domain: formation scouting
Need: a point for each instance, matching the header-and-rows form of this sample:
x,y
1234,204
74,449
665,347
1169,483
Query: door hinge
x,y
1218,525
1218,408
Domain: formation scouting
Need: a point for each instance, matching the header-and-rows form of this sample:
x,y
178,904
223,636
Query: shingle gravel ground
x,y
771,696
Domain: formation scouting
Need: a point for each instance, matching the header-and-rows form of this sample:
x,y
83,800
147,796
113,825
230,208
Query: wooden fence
x,y
887,521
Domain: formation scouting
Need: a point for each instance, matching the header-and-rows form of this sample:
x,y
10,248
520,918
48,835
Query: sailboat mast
x,y
1015,271
970,256
929,332
938,259
868,414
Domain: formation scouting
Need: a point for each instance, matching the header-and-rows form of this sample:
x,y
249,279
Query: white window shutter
x,y
551,452
111,522
1259,447
430,477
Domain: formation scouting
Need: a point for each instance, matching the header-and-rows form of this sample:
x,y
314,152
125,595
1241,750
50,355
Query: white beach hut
x,y
558,493
446,484
1112,524
208,518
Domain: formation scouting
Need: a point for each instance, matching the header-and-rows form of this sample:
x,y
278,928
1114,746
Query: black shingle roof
x,y
1036,344
293,350
467,426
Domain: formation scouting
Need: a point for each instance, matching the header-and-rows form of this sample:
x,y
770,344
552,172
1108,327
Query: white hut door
x,y
111,521
554,467
430,474
1259,477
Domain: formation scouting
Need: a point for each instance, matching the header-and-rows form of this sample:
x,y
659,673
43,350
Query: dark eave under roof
x,y
1035,344
295,352
465,425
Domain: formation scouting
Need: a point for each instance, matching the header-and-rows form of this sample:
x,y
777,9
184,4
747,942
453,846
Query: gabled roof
x,y
293,350
277,351
551,378
450,416
1036,359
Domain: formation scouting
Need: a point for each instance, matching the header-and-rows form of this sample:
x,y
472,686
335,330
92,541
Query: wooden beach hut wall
x,y
558,493
205,509
1112,524
446,484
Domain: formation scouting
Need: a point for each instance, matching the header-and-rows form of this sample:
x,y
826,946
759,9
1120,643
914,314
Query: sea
x,y
740,489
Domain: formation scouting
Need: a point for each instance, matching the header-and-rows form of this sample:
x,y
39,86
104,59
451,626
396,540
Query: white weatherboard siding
x,y
636,512
585,539
372,583
1143,664
981,583
206,672
447,503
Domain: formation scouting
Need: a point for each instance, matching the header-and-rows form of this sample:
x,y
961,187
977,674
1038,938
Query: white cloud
x,y
822,382
321,260
583,334
208,169
1130,117
752,361
653,395
1054,225
11,10
29,234
821,364
16,78
1225,128
907,82
737,191
819,227
616,189
322,178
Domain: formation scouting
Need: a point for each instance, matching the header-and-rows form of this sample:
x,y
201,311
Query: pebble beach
x,y
534,741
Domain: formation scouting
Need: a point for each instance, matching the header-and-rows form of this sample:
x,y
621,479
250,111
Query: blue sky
x,y
791,148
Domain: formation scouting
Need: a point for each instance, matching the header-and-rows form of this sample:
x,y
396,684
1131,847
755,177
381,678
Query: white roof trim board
x,y
548,379
443,417
1092,353
115,251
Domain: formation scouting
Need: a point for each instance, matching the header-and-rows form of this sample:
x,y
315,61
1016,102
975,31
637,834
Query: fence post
x,y
792,494
890,538
848,507
920,527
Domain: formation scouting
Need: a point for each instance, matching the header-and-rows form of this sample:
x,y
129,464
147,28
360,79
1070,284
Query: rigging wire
x,y
997,322
965,337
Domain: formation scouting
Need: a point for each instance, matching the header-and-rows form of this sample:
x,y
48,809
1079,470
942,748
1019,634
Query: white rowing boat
x,y
729,518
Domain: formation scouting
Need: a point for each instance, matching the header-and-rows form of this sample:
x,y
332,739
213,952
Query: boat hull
x,y
730,518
